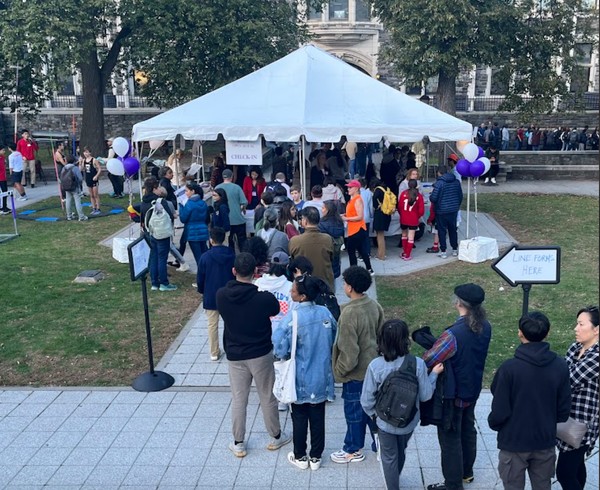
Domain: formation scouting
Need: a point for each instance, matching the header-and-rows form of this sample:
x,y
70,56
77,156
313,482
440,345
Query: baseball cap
x,y
227,174
280,258
453,157
354,183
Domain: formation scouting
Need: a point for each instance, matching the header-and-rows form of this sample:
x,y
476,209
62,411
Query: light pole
x,y
16,67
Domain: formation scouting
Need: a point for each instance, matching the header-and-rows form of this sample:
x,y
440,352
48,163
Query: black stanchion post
x,y
526,289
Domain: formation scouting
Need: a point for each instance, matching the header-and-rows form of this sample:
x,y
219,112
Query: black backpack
x,y
328,299
68,181
397,397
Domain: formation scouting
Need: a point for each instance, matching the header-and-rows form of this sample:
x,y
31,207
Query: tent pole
x,y
302,166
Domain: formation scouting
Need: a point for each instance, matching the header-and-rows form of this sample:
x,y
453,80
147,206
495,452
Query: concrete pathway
x,y
119,438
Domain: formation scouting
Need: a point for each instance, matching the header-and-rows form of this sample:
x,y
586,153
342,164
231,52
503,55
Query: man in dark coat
x,y
447,195
532,392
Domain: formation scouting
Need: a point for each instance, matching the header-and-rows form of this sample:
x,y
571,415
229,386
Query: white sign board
x,y
139,257
244,152
529,265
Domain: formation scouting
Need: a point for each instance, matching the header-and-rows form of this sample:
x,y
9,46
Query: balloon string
x,y
475,198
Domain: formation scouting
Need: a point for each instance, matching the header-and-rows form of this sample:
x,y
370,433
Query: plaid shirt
x,y
443,349
584,392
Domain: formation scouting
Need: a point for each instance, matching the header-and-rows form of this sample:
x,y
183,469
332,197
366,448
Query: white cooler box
x,y
478,249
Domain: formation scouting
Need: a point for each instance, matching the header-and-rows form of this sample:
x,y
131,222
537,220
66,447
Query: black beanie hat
x,y
471,293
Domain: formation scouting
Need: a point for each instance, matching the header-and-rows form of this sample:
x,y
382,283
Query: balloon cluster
x,y
124,164
475,163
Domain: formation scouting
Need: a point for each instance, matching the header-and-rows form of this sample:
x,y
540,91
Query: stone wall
x,y
554,120
551,165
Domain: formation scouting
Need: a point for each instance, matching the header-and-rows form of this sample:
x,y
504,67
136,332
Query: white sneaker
x,y
183,267
275,444
238,450
494,181
301,463
315,463
22,198
486,180
443,255
454,253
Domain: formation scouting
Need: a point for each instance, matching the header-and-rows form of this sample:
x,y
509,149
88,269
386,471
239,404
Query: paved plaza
x,y
118,438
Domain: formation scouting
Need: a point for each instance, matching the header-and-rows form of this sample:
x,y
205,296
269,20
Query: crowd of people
x,y
275,291
535,138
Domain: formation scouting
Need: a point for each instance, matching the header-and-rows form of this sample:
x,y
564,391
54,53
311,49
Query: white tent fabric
x,y
308,92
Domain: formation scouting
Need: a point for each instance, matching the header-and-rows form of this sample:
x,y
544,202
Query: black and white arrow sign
x,y
529,265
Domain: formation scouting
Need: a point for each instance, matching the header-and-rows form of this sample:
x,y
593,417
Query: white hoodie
x,y
281,288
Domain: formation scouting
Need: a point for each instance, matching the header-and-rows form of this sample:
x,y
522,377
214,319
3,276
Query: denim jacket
x,y
316,333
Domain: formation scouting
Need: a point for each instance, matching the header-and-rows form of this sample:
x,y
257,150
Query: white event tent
x,y
308,93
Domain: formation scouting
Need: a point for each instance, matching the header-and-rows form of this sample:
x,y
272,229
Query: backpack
x,y
68,180
274,186
397,397
389,203
573,137
159,223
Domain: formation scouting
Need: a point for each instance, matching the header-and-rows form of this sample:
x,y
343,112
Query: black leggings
x,y
570,469
359,243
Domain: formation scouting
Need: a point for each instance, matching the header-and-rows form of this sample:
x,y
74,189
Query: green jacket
x,y
356,340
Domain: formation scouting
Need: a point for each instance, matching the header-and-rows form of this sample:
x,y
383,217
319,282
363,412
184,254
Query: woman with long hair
x,y
316,329
193,215
216,177
220,215
332,224
253,187
393,344
411,207
287,219
90,168
583,360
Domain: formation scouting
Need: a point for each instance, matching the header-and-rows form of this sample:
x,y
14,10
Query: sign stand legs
x,y
526,289
152,380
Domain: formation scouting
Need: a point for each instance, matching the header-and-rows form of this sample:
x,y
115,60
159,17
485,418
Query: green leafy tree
x,y
185,49
522,39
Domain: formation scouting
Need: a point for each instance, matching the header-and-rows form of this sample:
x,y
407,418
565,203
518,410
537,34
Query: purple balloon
x,y
477,168
481,152
131,165
463,167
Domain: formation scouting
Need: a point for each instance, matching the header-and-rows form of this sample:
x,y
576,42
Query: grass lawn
x,y
55,332
570,222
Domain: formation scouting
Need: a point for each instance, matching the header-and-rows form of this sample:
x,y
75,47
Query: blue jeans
x,y
352,168
198,248
356,418
159,251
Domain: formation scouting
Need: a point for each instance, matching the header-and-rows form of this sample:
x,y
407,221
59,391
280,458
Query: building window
x,y
498,86
314,15
580,79
363,11
583,53
69,86
338,10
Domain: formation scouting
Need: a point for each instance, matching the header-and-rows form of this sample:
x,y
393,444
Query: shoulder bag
x,y
284,387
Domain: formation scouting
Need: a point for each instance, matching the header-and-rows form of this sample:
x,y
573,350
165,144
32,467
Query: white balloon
x,y
121,146
460,144
156,144
470,151
115,166
487,163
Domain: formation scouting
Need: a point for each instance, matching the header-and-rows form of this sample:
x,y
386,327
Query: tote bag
x,y
284,387
571,431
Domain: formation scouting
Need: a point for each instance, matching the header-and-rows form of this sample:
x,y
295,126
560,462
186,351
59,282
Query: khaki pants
x,y
28,164
241,374
212,317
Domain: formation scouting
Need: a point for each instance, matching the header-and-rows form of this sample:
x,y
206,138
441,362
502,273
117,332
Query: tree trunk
x,y
447,91
92,124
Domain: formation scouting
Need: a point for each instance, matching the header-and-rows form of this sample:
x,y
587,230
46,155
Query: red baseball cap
x,y
453,157
354,183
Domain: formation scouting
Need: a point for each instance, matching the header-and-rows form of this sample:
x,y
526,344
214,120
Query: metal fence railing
x,y
589,101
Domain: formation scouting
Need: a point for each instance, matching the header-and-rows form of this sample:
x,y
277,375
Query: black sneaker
x,y
433,250
437,486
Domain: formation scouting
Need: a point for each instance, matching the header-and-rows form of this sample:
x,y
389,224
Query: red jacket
x,y
2,169
27,148
410,215
247,188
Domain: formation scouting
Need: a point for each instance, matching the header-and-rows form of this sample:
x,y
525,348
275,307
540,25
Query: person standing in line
x,y
367,197
27,147
3,184
214,272
355,347
115,180
464,348
505,137
15,167
73,194
220,215
246,314
237,209
583,362
316,246
90,167
316,329
411,207
393,344
381,221
332,224
446,196
194,216
357,229
531,395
